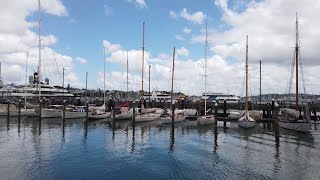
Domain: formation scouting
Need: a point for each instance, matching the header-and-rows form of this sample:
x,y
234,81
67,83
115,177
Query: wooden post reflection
x,y
172,138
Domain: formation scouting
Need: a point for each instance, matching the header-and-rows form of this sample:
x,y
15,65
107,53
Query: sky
x,y
75,35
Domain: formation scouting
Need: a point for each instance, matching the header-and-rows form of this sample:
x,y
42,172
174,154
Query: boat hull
x,y
72,115
296,126
26,113
99,116
246,122
126,116
168,120
50,113
147,117
206,120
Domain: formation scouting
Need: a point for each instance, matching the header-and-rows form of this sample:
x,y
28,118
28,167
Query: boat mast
x,y
25,90
127,72
104,76
173,58
142,93
297,64
246,108
149,84
39,67
205,72
260,81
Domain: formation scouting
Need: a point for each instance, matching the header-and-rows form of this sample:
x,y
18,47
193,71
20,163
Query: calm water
x,y
152,151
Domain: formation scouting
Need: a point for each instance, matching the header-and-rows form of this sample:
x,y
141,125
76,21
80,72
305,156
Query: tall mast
x,y
25,90
149,84
260,81
246,108
86,84
142,61
205,72
127,72
173,58
297,63
39,67
104,76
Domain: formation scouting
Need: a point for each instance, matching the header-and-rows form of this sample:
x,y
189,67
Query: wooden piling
x,y
276,130
134,113
216,113
8,114
172,110
19,115
113,111
40,109
224,108
272,108
64,112
87,111
269,111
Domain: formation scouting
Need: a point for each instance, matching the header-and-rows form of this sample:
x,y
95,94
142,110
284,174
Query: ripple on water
x,y
153,151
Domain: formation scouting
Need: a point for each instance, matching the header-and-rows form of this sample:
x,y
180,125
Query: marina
x,y
179,90
103,150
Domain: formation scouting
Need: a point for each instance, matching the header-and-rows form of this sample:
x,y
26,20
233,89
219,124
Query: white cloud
x,y
187,30
196,18
183,52
173,14
81,60
180,38
139,3
111,47
17,38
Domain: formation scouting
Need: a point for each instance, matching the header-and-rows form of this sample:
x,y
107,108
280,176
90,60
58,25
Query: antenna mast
x,y
127,72
39,67
173,58
142,93
297,63
104,76
246,76
205,73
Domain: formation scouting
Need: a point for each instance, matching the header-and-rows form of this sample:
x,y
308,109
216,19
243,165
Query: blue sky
x,y
78,28
89,22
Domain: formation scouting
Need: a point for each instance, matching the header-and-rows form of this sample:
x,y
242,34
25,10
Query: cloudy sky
x,y
74,33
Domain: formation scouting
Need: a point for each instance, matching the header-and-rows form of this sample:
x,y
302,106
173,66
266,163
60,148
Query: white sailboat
x,y
246,121
124,113
75,112
290,118
178,117
206,119
100,112
52,111
144,116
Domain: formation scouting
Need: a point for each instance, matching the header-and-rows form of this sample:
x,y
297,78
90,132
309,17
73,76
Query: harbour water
x,y
152,151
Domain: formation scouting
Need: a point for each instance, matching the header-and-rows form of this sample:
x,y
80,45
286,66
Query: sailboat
x,y
206,119
100,112
290,118
124,113
178,117
246,121
144,115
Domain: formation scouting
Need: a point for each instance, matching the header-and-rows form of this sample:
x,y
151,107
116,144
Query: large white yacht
x,y
220,97
32,91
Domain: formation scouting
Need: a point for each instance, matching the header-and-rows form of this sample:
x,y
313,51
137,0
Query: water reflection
x,y
215,132
248,154
172,138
